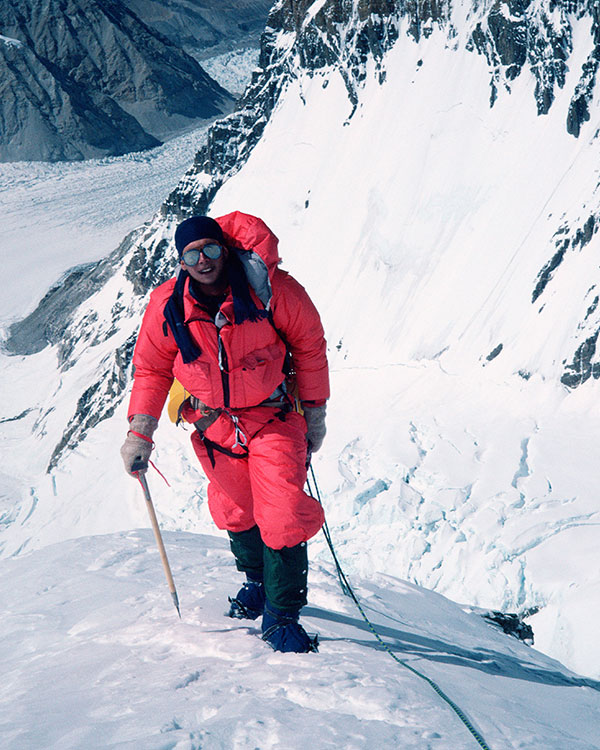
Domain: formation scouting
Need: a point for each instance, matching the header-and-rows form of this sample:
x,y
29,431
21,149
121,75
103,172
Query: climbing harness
x,y
348,591
240,439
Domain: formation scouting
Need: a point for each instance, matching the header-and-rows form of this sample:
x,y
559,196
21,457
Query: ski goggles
x,y
212,252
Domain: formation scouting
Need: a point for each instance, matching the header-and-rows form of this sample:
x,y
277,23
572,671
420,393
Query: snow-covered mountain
x,y
87,78
431,172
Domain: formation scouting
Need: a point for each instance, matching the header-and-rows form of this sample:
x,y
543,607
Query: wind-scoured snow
x,y
99,659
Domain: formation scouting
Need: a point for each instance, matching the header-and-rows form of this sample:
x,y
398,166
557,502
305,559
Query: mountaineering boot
x,y
282,631
249,602
247,547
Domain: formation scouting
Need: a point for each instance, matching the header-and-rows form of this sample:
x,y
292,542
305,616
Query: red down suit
x,y
239,367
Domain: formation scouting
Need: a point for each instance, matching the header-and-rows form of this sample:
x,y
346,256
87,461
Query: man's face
x,y
208,272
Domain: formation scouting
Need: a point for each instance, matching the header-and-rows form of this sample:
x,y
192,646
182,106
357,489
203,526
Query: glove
x,y
135,449
315,426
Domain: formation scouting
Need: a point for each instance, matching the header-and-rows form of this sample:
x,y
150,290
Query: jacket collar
x,y
193,311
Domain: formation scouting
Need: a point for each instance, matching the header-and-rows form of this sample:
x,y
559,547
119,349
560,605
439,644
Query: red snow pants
x,y
264,487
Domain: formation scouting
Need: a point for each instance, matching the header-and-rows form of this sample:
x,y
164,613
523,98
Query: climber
x,y
241,336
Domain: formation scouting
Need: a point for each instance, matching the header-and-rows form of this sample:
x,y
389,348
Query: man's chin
x,y
210,282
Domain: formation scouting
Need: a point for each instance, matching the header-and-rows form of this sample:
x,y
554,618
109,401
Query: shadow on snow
x,y
411,644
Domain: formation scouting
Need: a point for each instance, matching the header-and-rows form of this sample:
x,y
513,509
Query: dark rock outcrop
x,y
582,367
87,78
517,34
513,624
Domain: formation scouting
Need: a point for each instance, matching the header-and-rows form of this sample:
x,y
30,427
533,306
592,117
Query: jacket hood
x,y
248,232
257,248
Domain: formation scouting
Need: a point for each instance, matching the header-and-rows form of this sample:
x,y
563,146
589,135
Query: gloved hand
x,y
135,449
315,426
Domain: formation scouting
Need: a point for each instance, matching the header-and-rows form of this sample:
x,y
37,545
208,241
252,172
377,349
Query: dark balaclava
x,y
197,228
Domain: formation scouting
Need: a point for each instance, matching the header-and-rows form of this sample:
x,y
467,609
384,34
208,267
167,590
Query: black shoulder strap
x,y
288,367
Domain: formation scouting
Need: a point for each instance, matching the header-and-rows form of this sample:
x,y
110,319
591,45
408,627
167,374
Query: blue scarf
x,y
244,307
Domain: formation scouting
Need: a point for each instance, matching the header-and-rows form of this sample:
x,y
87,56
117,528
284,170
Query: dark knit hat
x,y
197,228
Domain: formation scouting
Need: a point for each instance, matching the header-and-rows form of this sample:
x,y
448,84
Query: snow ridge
x,y
93,618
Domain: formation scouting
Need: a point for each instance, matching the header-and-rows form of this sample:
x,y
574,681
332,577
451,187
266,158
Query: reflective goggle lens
x,y
191,257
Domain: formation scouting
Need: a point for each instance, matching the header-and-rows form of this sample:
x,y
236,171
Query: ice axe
x,y
136,468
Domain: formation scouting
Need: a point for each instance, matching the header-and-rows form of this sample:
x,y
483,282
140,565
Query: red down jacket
x,y
251,368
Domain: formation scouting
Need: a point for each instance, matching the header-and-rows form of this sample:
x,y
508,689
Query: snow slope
x,y
99,659
420,225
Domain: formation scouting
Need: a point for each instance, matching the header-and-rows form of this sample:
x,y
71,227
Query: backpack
x,y
177,395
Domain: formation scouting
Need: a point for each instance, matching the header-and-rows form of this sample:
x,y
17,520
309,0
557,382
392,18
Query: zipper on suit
x,y
224,367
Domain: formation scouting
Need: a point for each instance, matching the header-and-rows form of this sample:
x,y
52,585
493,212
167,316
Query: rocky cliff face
x,y
333,39
86,78
347,38
344,35
521,34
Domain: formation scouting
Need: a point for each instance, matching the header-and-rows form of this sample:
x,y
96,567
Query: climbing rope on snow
x,y
348,591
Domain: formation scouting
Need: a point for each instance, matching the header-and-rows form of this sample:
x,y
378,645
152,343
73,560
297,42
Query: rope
x,y
348,591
